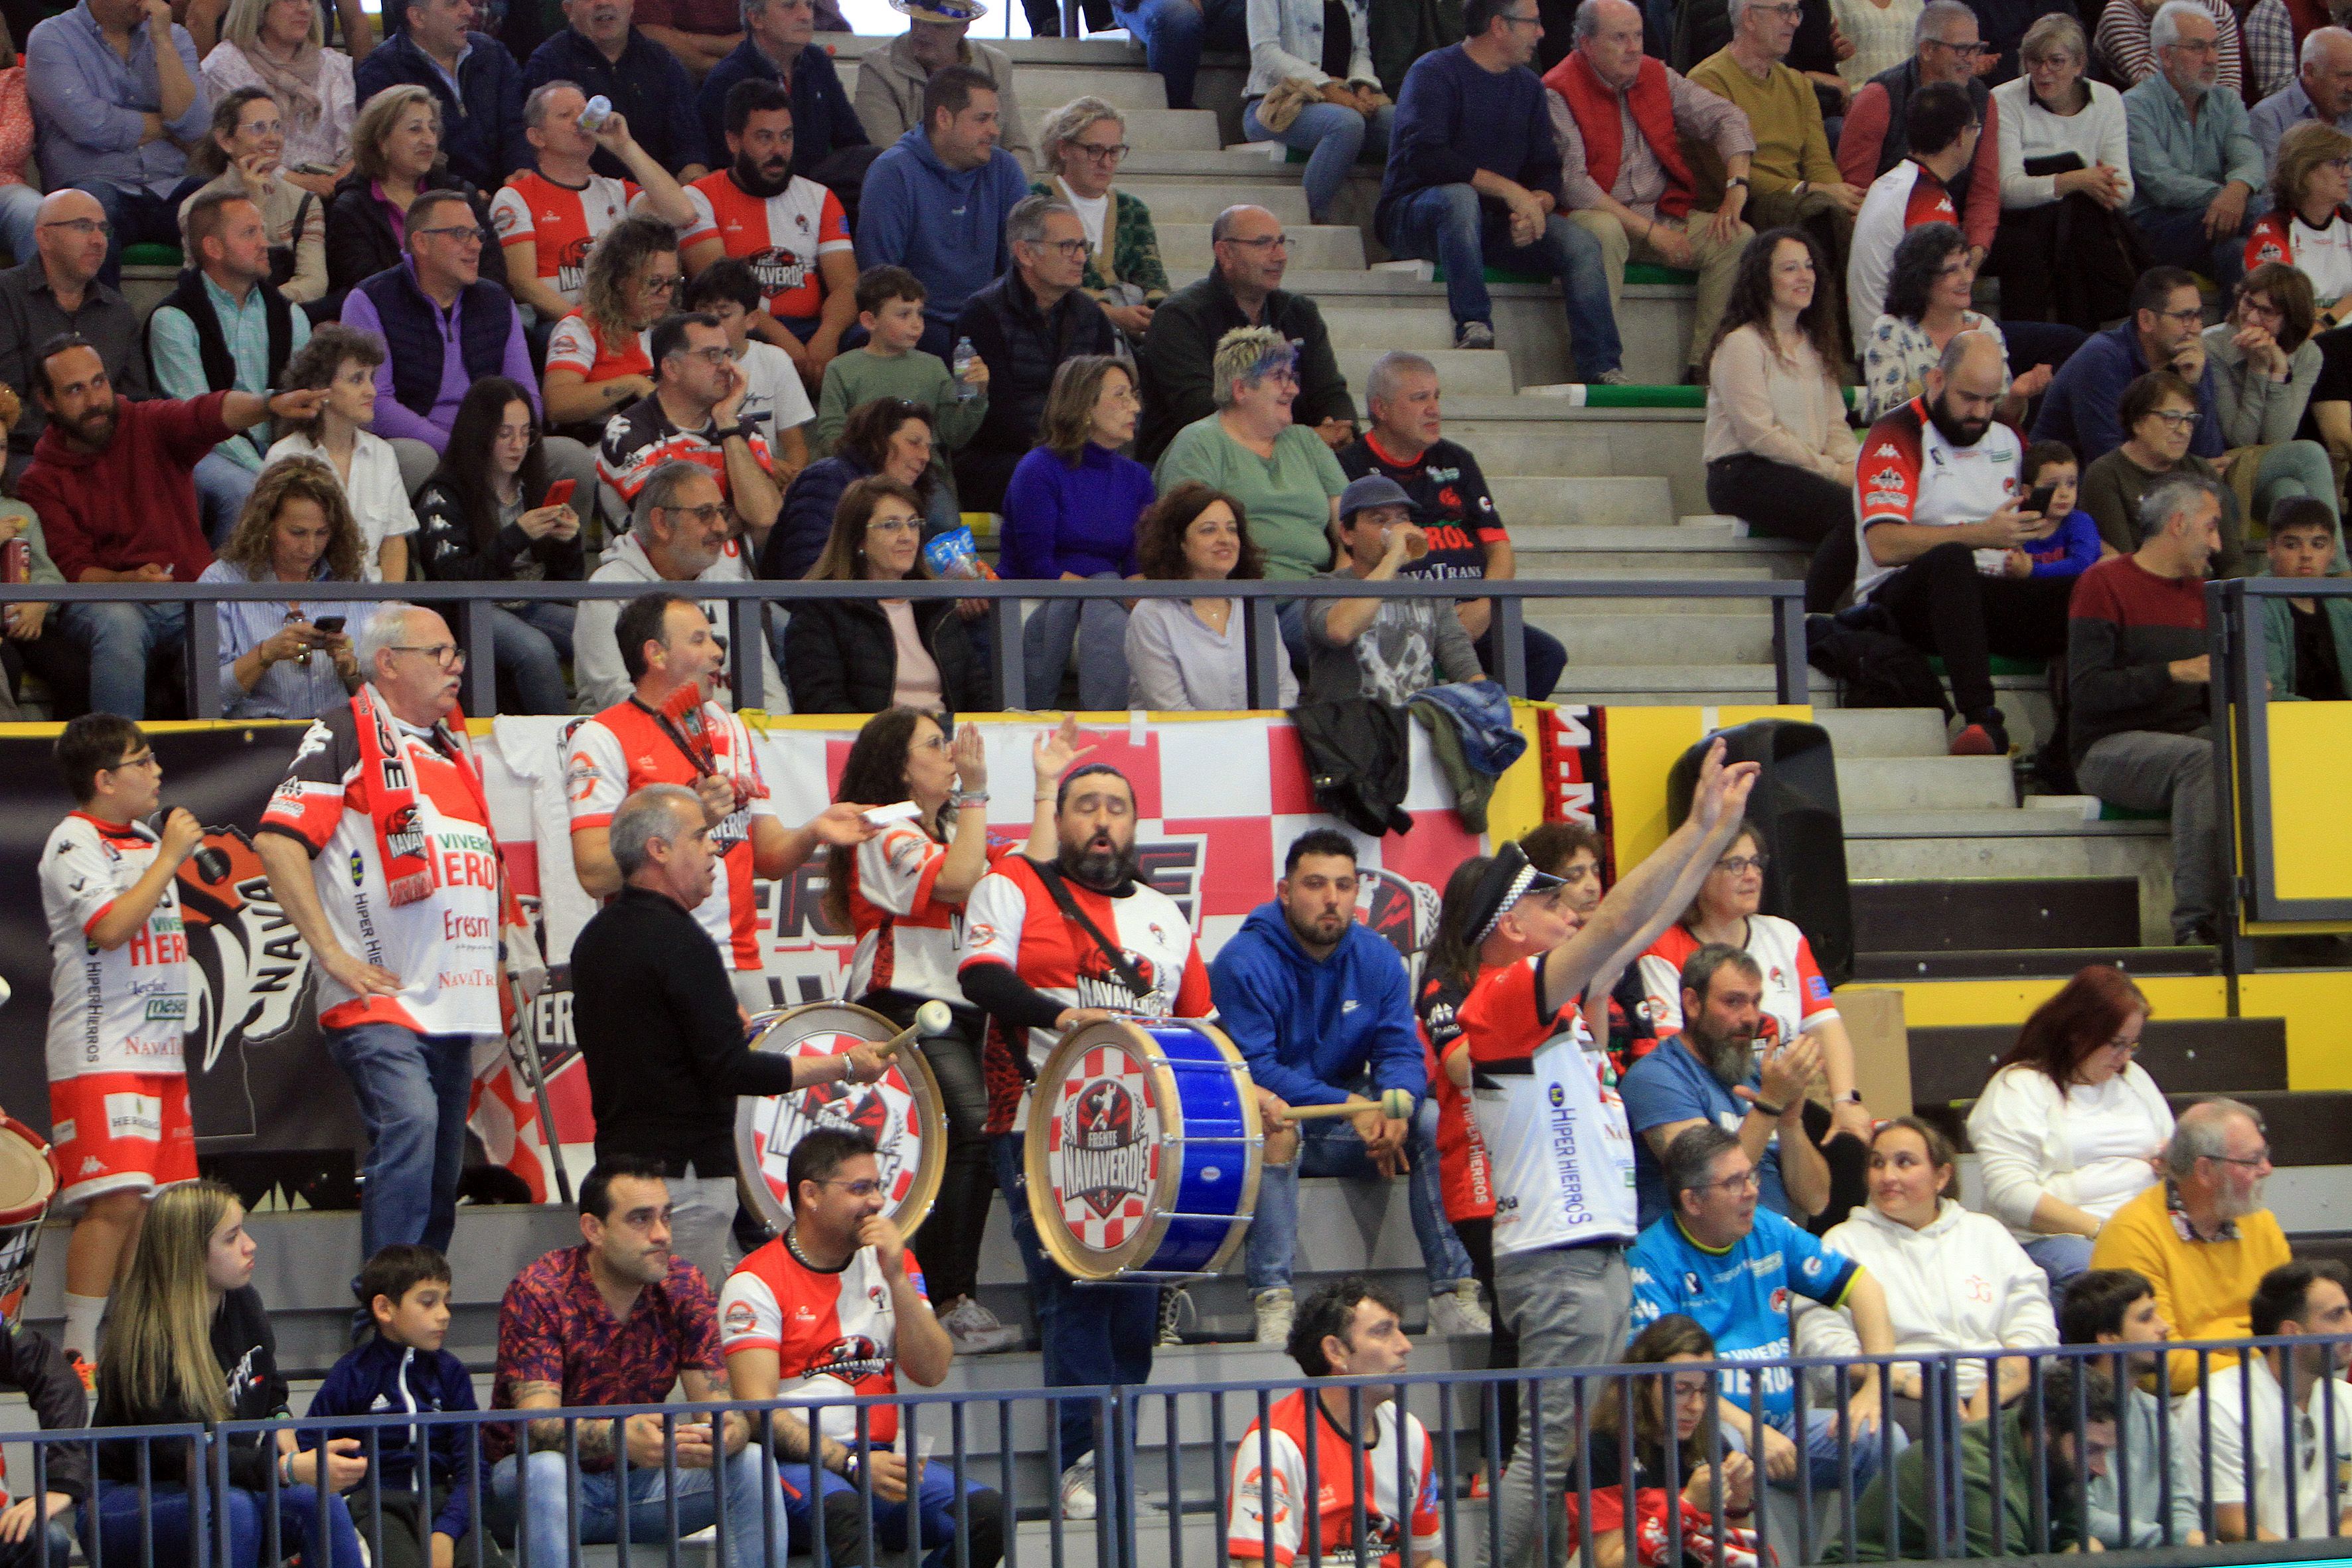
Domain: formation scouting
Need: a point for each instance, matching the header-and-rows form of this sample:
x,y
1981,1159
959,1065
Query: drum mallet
x,y
1395,1105
930,1018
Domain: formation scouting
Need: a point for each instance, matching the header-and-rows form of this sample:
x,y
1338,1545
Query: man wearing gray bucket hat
x,y
890,81
1388,650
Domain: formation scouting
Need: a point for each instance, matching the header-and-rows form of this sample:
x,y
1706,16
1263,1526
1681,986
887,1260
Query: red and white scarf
x,y
409,872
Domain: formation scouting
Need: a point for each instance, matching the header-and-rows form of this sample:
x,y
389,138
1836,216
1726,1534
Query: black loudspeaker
x,y
1795,804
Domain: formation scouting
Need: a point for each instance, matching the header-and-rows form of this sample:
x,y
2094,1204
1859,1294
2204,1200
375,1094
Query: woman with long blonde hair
x,y
598,360
189,1341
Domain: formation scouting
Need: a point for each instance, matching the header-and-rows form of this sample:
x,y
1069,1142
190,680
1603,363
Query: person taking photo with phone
x,y
290,657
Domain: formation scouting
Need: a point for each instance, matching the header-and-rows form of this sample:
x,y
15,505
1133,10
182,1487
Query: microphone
x,y
212,865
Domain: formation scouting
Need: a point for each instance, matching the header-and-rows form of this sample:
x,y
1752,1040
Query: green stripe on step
x,y
2002,664
151,255
1644,272
1600,397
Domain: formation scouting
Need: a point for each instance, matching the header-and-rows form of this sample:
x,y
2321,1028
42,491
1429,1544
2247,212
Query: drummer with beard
x,y
659,1026
1038,973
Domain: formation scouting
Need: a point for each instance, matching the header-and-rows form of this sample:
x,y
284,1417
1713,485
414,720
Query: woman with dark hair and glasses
x,y
1929,285
2070,1128
1669,1409
244,153
2159,412
1189,653
890,438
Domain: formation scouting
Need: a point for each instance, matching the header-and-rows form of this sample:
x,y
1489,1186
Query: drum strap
x,y
1051,875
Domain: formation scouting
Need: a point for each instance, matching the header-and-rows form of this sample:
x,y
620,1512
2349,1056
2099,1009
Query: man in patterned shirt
x,y
618,1320
833,1309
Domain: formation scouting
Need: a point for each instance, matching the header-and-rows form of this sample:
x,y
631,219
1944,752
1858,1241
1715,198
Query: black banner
x,y
260,1078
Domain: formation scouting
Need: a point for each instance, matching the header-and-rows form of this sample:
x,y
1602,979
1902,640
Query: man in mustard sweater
x,y
2201,1236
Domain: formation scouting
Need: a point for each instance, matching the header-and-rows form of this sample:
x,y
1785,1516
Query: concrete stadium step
x,y
1236,164
1199,201
1423,326
1884,732
1653,324
1112,53
1329,245
1606,501
1477,373
1675,685
1044,88
2185,1056
1935,784
1600,636
1993,914
1543,436
1945,846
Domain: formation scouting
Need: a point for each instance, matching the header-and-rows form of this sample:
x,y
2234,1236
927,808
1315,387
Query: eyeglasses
x,y
1972,51
2195,46
895,525
144,760
1071,249
2260,1156
2128,1047
461,233
448,655
1262,243
2194,316
85,227
2178,419
1740,865
1747,1181
669,283
1099,152
706,514
716,354
866,1187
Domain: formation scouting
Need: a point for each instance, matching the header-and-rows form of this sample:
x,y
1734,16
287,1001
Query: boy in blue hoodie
x,y
1319,1005
936,200
403,1367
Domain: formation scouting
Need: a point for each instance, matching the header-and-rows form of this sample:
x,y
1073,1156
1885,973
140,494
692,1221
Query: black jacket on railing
x,y
840,658
360,243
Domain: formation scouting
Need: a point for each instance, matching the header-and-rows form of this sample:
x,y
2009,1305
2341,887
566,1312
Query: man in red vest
x,y
1618,116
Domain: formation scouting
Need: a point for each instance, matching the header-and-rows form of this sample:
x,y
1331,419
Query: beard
x,y
1729,1057
1958,432
1103,866
755,182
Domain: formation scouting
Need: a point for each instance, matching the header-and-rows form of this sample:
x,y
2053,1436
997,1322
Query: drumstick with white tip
x,y
1395,1105
930,1018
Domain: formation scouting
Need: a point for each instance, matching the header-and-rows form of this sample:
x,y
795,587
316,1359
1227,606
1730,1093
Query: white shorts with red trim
x,y
119,1132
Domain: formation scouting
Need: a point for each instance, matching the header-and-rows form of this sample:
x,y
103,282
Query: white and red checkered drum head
x,y
901,1112
28,1181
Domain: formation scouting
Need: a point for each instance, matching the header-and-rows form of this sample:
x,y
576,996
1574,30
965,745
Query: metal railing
x,y
745,602
1172,1457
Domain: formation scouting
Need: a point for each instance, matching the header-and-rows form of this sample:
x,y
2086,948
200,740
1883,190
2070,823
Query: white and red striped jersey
x,y
627,747
562,224
1013,922
907,940
444,946
834,1334
1899,201
1906,472
2323,254
779,236
1796,993
1268,1498
111,1010
576,343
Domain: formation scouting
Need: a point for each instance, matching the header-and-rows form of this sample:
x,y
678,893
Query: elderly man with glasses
x,y
1876,135
1474,181
1025,326
2195,163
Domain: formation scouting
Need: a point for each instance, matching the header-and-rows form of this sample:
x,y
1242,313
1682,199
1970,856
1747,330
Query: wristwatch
x,y
1850,1097
1739,180
964,797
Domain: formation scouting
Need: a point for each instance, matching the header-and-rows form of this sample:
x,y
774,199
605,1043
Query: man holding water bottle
x,y
1387,650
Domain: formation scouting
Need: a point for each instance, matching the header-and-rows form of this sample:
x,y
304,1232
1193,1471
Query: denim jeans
x,y
542,1536
120,638
222,484
2175,238
532,645
1330,1148
2060,1257
1821,1449
411,1091
138,217
894,1522
1450,225
1173,32
1093,1335
116,1525
1099,629
1333,136
19,205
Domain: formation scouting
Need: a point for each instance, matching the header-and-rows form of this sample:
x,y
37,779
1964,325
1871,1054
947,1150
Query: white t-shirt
x,y
2111,1137
2231,1421
378,498
123,1009
1094,214
1907,472
775,390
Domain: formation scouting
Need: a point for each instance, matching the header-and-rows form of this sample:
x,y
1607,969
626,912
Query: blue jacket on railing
x,y
1312,1027
383,1377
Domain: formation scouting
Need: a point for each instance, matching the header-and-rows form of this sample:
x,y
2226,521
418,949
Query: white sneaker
x,y
1275,1311
975,1330
1175,1307
1078,1491
1457,1311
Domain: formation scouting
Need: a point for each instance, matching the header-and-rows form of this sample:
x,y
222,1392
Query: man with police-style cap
x,y
1555,1135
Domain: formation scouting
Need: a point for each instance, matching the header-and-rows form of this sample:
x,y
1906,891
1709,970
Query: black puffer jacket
x,y
840,658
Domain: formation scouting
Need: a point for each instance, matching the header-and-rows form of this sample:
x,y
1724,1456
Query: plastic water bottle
x,y
965,391
599,110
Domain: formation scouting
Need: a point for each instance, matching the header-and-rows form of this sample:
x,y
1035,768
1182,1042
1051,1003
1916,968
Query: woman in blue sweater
x,y
1070,510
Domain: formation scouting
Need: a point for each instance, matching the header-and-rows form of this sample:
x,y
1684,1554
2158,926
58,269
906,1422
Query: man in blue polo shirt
x,y
1716,1259
1711,1073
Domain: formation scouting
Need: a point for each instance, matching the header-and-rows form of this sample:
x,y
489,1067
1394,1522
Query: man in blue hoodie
x,y
1319,1005
935,203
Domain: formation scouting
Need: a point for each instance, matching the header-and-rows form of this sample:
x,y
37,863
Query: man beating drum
x,y
1053,947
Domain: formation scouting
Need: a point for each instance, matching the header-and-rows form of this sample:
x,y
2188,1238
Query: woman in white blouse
x,y
277,46
1954,1279
1883,32
2071,1129
342,362
1779,453
2065,187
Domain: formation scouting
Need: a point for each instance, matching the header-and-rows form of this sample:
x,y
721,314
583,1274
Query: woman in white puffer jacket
x,y
1955,1280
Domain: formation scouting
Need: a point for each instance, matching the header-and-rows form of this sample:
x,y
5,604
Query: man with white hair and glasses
x,y
2194,160
2322,89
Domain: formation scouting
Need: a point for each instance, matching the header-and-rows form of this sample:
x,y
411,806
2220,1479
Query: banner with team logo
x,y
1219,799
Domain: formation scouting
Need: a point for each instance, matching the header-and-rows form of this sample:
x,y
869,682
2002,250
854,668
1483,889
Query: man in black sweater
x,y
660,1027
